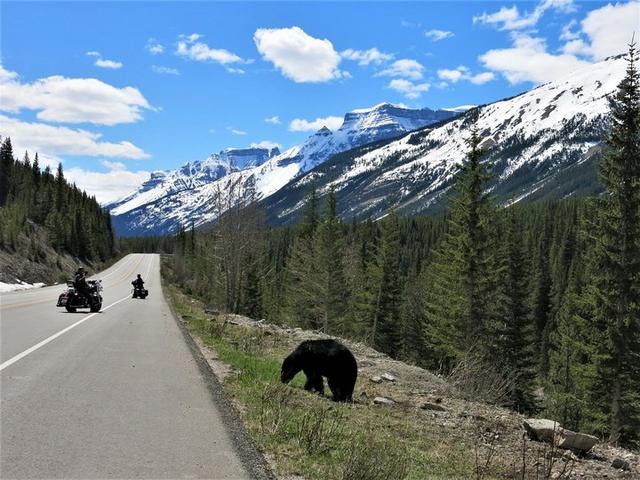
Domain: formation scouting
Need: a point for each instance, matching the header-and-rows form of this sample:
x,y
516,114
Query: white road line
x,y
20,356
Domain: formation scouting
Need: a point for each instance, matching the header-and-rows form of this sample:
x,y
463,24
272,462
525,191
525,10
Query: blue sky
x,y
115,90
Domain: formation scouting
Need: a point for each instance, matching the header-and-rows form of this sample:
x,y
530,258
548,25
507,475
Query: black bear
x,y
323,358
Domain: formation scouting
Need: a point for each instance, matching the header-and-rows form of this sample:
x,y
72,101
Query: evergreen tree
x,y
460,280
6,167
330,250
515,333
616,272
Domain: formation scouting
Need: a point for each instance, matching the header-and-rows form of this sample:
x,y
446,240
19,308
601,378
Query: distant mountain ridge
x,y
170,199
543,143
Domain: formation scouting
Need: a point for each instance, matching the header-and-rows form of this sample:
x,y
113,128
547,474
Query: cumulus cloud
x,y
297,55
528,60
436,35
266,144
610,28
189,47
365,57
52,140
103,62
603,32
153,47
408,88
404,68
302,125
72,100
164,70
275,120
510,18
107,186
463,73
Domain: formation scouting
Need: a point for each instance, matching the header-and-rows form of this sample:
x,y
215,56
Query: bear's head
x,y
290,368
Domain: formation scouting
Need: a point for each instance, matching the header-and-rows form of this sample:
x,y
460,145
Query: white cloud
x,y
610,28
528,60
103,62
51,140
365,57
153,47
452,75
482,78
266,144
603,32
112,64
436,35
275,120
165,70
107,186
302,125
189,47
298,56
72,100
463,73
408,88
236,131
511,19
405,68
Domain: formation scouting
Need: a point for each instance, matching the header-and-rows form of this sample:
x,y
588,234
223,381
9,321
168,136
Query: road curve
x,y
117,394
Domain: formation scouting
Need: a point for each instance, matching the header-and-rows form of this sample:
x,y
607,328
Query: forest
x,y
74,222
545,295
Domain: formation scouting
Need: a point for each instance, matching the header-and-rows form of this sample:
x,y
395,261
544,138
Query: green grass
x,y
311,436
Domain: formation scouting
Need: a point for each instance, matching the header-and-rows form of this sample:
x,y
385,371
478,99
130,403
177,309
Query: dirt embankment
x,y
384,383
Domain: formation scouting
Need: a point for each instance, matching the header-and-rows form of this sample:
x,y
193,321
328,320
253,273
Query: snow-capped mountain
x,y
543,143
198,192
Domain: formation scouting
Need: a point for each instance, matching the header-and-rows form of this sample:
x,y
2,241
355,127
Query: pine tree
x,y
515,333
6,167
330,250
460,280
387,328
616,282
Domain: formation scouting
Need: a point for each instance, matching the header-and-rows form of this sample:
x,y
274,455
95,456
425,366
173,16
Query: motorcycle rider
x,y
138,283
80,282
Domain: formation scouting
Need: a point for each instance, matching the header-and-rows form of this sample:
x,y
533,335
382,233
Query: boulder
x,y
541,430
388,377
376,379
620,464
577,442
383,401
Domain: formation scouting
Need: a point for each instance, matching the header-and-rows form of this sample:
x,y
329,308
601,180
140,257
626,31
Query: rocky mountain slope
x,y
198,192
543,143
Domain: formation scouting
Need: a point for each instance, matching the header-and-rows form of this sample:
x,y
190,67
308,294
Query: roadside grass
x,y
307,435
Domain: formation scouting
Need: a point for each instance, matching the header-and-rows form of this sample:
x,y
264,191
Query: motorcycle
x,y
139,292
72,300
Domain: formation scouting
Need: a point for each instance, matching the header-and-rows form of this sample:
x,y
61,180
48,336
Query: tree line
x,y
547,294
29,196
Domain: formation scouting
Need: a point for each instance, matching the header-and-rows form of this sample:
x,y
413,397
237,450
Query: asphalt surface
x,y
118,394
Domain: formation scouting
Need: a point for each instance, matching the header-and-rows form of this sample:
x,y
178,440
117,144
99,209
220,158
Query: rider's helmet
x,y
80,271
139,275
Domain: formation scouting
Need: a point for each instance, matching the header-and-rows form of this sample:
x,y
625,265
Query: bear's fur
x,y
323,358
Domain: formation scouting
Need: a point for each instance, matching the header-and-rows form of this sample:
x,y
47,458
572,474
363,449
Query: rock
x,y
580,442
376,379
620,464
388,377
432,406
383,401
541,430
211,310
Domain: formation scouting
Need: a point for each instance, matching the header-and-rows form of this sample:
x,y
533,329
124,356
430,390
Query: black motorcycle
x,y
139,292
71,299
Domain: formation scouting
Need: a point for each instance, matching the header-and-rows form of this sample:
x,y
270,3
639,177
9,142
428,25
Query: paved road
x,y
117,394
